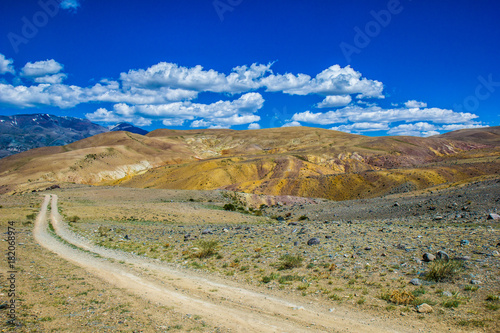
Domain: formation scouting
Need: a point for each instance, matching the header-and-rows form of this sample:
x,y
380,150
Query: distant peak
x,y
128,128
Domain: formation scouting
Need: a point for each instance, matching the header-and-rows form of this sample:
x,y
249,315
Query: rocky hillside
x,y
302,161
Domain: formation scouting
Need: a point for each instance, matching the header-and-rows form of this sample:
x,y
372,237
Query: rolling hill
x,y
298,161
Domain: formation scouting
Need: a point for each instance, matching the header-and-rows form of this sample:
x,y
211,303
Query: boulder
x,y
428,257
424,308
313,241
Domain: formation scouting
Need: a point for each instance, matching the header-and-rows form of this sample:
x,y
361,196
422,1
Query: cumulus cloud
x,y
362,127
455,127
164,74
221,114
71,5
414,104
334,80
62,96
417,129
253,126
51,79
41,68
335,101
6,65
104,116
292,124
377,114
167,92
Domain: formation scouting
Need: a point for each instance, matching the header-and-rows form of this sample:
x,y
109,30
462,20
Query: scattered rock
x,y
206,232
441,255
475,282
464,242
428,257
438,217
493,216
292,223
416,282
368,248
424,308
446,293
313,241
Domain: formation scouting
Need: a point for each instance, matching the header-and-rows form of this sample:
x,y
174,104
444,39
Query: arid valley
x,y
279,230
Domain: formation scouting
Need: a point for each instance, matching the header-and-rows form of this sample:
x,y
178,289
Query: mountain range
x,y
23,132
300,161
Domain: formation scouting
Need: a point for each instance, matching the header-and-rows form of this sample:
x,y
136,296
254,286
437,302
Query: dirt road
x,y
220,303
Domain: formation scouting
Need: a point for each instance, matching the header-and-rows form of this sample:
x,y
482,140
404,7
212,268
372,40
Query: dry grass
x,y
399,297
442,270
207,249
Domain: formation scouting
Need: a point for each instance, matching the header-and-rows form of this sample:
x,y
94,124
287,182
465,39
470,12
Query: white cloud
x,y
334,80
253,126
335,101
71,5
327,118
292,124
362,127
51,79
377,114
417,129
455,127
414,104
41,68
6,65
173,122
222,113
62,96
104,116
241,79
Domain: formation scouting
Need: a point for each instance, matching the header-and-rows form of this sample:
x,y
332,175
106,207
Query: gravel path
x,y
231,307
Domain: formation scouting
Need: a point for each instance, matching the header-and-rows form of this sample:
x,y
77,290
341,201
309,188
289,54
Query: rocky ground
x,y
361,255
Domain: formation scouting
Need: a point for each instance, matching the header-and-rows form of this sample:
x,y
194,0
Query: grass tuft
x,y
288,261
207,249
441,270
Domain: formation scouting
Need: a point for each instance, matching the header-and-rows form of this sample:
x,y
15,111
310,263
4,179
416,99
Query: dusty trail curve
x,y
231,307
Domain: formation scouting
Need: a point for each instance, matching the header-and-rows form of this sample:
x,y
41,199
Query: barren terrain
x,y
136,263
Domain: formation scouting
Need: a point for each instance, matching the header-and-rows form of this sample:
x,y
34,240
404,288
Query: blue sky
x,y
391,67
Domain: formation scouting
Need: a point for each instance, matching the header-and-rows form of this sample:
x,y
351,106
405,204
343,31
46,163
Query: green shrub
x,y
441,270
207,249
272,276
229,207
74,219
288,261
289,278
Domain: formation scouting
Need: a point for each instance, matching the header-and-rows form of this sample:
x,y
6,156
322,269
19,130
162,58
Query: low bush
x,y
441,270
207,249
288,261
